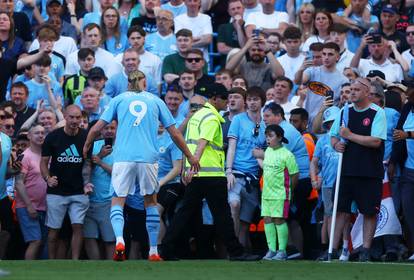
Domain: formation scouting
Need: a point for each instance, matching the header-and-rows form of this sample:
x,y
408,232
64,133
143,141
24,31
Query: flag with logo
x,y
387,220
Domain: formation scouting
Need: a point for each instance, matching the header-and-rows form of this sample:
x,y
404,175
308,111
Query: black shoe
x,y
166,254
245,257
391,257
325,256
364,255
293,254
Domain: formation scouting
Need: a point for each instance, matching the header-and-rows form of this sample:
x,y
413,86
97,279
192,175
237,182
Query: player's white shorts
x,y
127,175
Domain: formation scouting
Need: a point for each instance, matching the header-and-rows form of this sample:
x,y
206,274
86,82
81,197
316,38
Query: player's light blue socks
x,y
153,227
117,221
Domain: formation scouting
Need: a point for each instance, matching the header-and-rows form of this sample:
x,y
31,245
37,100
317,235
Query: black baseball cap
x,y
214,89
278,131
97,72
376,73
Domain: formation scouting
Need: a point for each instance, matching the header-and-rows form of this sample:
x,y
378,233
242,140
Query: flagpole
x,y
335,206
343,123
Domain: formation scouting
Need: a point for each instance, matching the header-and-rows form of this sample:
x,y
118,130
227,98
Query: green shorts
x,y
275,208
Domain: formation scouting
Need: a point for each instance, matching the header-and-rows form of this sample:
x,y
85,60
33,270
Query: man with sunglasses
x,y
205,140
361,180
246,133
195,62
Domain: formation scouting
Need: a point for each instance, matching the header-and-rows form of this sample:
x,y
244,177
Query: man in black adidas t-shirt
x,y
67,179
362,168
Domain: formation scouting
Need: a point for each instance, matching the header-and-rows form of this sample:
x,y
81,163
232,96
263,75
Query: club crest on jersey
x,y
366,122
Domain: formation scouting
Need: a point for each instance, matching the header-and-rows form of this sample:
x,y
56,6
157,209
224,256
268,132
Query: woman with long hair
x,y
321,23
12,46
113,39
305,18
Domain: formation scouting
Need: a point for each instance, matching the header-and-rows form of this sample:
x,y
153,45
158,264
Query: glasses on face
x,y
256,130
193,59
305,12
408,33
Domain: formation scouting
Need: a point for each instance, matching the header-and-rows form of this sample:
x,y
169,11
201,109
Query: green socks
x,y
282,234
271,237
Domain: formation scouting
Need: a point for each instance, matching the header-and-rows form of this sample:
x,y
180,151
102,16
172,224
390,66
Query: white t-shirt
x,y
291,65
393,71
408,56
103,59
344,60
312,39
287,107
149,64
199,25
261,20
247,11
65,46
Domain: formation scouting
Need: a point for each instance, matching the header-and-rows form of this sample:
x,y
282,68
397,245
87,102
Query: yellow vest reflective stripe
x,y
212,159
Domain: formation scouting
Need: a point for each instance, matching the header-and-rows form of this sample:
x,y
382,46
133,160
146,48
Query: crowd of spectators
x,y
63,61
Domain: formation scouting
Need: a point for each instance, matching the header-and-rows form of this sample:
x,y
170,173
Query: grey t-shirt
x,y
334,80
257,74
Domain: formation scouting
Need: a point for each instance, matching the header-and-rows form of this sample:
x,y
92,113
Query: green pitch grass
x,y
195,270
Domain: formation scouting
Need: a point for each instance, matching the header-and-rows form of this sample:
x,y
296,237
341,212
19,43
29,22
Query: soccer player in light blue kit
x,y
136,153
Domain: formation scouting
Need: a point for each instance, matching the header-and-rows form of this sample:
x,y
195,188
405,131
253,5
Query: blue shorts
x,y
32,229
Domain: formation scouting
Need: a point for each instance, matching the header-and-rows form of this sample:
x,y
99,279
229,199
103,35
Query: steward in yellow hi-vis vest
x,y
206,124
205,140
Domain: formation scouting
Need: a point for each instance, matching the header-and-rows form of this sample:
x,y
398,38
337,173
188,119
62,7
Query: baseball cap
x,y
389,9
330,114
376,73
214,89
278,131
97,72
60,2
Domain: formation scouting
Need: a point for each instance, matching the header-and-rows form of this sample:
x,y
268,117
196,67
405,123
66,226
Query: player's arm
x,y
86,176
92,135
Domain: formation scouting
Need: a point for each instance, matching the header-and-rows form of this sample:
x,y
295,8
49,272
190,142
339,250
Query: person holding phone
x,y
379,53
327,74
97,222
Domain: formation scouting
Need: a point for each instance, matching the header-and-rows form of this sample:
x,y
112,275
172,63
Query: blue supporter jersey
x,y
242,129
138,116
409,126
328,160
101,179
353,39
37,91
118,84
378,129
168,153
6,146
176,10
298,148
392,120
116,47
95,17
57,68
159,45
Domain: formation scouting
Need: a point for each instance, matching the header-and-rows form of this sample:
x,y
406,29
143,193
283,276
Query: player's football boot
x,y
119,254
